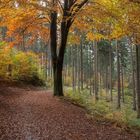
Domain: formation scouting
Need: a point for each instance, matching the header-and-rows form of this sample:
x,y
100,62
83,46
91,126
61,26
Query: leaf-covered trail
x,y
31,114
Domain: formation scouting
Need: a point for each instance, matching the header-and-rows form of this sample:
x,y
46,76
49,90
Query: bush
x,y
33,80
20,66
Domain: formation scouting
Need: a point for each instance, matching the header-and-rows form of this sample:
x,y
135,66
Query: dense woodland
x,y
86,47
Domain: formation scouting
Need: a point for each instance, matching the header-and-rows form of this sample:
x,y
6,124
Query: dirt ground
x,y
34,114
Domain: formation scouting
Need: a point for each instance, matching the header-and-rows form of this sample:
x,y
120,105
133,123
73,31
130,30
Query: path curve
x,y
31,114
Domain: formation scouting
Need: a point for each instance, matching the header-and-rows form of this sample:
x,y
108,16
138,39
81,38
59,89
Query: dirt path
x,y
30,114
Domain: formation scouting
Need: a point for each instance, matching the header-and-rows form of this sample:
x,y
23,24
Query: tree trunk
x,y
58,82
57,64
118,74
100,80
133,78
90,72
57,69
81,60
122,79
106,82
110,61
138,78
73,71
96,72
46,63
78,65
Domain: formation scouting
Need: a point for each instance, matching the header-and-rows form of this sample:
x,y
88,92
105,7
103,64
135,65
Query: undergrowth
x,y
105,109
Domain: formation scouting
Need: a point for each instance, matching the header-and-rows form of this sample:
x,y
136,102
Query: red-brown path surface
x,y
31,114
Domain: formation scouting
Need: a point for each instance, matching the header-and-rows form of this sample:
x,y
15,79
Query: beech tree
x,y
69,9
58,14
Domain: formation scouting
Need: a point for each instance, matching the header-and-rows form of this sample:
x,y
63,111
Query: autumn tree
x,y
69,9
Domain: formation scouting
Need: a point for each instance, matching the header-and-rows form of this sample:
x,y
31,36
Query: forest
x,y
64,57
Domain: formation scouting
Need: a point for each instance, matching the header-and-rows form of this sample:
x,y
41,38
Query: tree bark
x,y
138,78
73,71
106,81
110,61
78,65
122,80
81,60
118,74
133,77
57,69
96,72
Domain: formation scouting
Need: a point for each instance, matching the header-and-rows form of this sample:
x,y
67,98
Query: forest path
x,y
33,114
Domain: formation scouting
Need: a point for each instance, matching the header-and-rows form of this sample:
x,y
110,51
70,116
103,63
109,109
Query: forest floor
x,y
29,113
